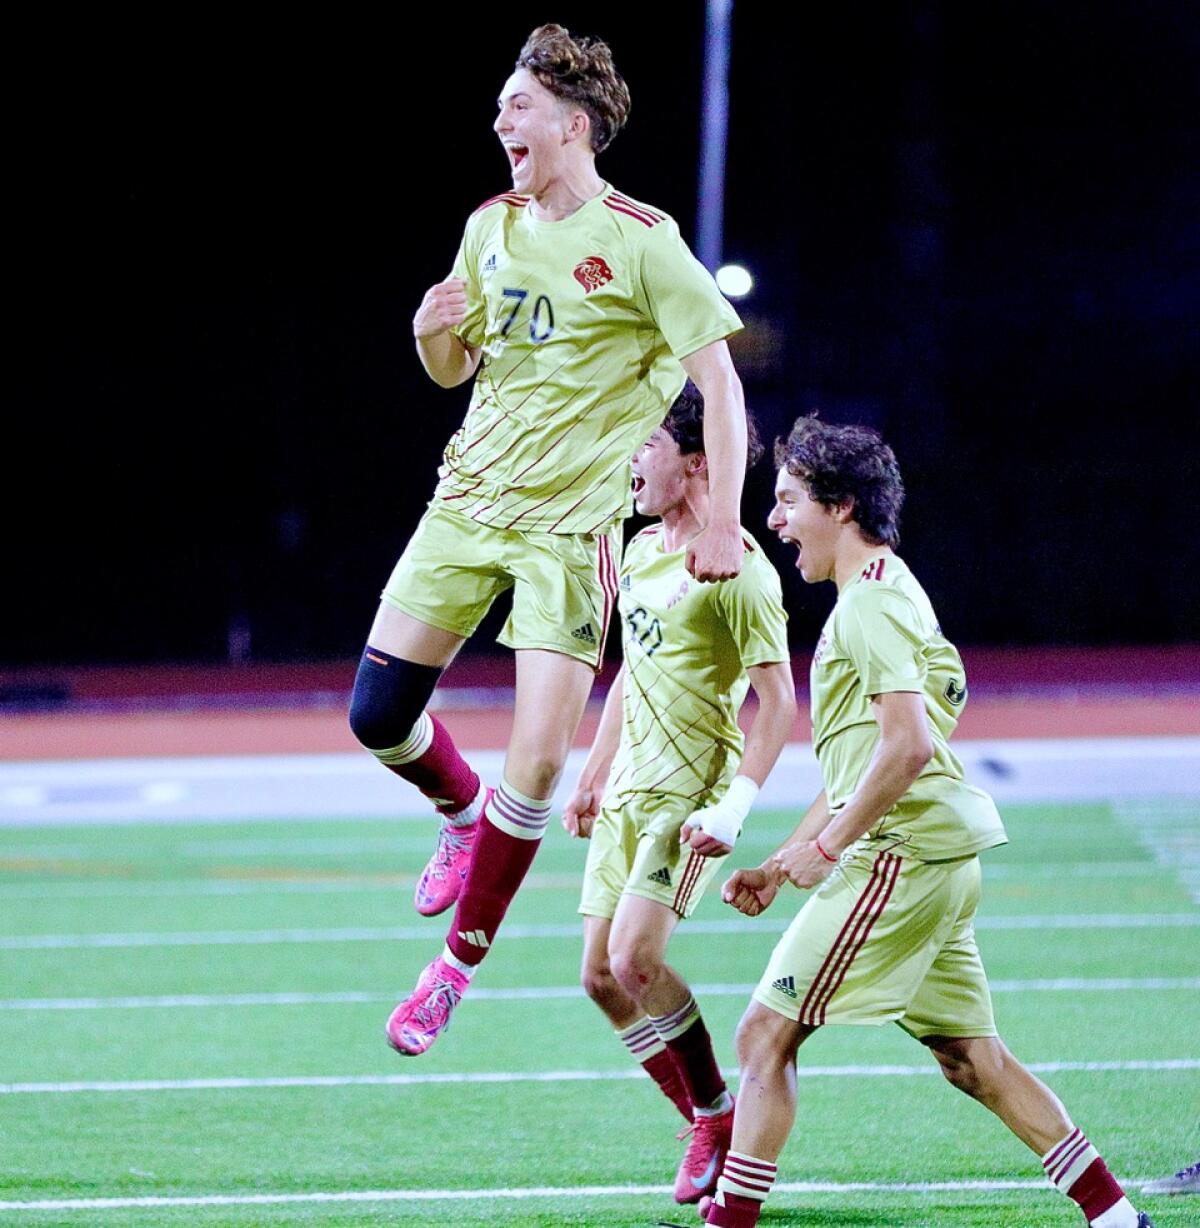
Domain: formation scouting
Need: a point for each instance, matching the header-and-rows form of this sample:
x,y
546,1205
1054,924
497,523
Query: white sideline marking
x,y
430,933
549,1076
533,1191
538,994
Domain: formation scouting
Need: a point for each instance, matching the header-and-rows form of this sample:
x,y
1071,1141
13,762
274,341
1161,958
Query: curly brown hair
x,y
685,424
580,71
842,464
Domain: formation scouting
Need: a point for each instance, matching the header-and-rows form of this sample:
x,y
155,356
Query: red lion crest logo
x,y
593,273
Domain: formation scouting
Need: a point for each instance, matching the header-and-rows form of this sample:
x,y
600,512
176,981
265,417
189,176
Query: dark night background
x,y
973,226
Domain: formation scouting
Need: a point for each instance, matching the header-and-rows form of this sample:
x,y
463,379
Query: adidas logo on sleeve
x,y
662,877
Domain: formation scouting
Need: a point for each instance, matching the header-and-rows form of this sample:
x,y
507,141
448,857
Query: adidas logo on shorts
x,y
785,984
662,877
585,633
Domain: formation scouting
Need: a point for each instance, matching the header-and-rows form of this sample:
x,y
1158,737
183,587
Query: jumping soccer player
x,y
668,759
579,311
891,845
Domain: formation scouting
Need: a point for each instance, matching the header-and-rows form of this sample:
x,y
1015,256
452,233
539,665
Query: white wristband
x,y
723,821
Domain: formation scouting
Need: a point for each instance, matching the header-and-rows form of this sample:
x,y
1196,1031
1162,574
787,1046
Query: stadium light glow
x,y
734,280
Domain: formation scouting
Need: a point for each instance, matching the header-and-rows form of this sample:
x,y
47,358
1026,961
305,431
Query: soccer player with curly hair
x,y
579,312
889,849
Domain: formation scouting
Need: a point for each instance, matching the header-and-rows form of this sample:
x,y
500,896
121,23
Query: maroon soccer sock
x,y
1076,1168
429,759
687,1039
742,1189
658,1062
505,846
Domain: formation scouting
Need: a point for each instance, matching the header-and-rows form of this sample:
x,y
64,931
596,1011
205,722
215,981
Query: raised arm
x,y
716,552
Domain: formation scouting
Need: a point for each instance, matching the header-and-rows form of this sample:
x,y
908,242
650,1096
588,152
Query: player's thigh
x,y
860,947
663,870
766,1037
448,576
641,929
400,635
953,998
552,691
611,849
564,592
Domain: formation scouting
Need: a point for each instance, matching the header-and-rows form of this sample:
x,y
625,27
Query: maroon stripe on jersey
x,y
587,494
462,494
629,213
641,212
888,867
509,198
861,905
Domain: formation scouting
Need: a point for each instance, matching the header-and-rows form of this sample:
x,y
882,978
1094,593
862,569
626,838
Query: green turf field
x,y
103,929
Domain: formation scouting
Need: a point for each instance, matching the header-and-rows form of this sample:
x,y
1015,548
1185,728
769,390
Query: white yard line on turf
x,y
135,888
550,1076
429,933
533,1191
543,993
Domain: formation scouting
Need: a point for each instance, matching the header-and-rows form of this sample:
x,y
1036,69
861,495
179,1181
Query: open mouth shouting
x,y
518,156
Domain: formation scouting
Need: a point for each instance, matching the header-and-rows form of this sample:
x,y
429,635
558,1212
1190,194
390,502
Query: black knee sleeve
x,y
389,696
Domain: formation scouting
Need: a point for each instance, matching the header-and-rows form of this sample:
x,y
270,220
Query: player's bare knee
x,y
635,968
599,984
975,1067
534,773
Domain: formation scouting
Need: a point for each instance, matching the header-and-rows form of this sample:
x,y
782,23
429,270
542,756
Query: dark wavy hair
x,y
581,71
843,464
685,424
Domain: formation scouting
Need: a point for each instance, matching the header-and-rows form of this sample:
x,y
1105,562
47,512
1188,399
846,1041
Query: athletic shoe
x,y
704,1157
425,1014
702,1206
1144,1221
442,880
1185,1181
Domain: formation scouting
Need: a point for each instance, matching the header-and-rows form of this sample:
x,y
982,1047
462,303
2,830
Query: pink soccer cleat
x,y
442,880
704,1157
425,1014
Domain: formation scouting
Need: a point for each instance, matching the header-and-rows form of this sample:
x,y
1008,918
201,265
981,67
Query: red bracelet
x,y
823,853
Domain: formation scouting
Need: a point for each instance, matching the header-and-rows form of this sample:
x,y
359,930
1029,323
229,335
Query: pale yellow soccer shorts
x,y
564,585
635,850
885,939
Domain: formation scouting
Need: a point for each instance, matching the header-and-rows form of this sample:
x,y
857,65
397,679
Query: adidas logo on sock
x,y
585,633
785,984
477,938
662,876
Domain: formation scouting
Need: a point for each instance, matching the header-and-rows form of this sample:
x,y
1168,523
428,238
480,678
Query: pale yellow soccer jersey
x,y
882,636
582,323
687,648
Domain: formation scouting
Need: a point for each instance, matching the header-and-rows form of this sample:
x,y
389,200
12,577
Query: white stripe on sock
x,y
641,1039
524,818
412,748
676,1022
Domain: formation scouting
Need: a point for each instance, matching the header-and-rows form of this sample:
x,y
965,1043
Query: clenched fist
x,y
443,306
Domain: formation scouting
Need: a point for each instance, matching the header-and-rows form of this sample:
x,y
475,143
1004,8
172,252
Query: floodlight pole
x,y
714,125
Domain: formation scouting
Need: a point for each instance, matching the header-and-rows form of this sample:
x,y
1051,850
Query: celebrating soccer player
x,y
578,310
889,847
668,761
